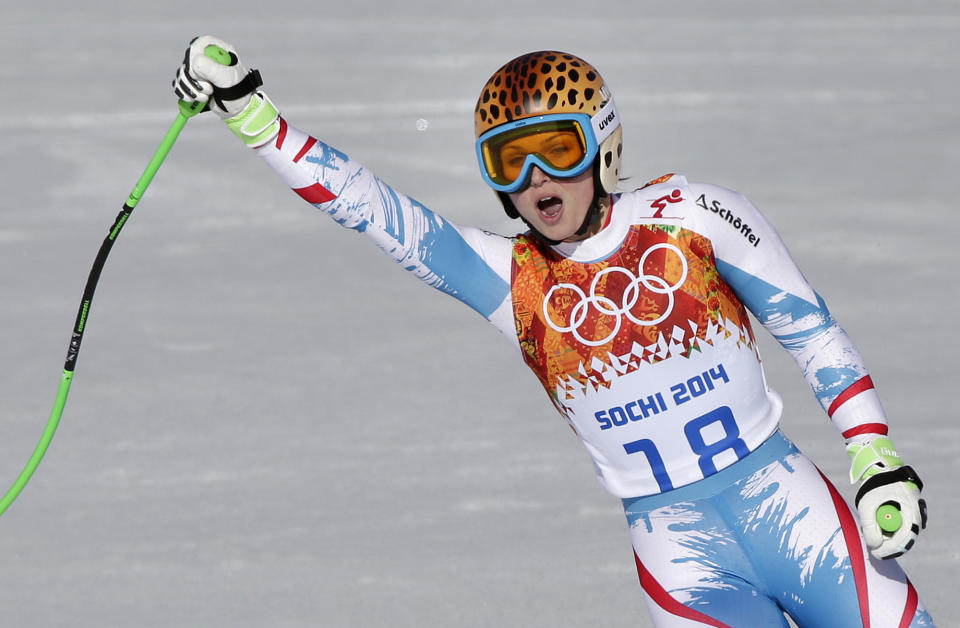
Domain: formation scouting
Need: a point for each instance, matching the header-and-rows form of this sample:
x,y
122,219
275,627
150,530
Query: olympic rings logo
x,y
629,298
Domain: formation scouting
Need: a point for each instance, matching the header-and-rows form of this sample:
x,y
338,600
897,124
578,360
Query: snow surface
x,y
271,425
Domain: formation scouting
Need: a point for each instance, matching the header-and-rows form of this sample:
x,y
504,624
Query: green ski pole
x,y
187,111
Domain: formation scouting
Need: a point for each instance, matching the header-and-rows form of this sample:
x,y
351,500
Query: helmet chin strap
x,y
594,214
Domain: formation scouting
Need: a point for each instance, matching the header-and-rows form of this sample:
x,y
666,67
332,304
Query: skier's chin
x,y
557,233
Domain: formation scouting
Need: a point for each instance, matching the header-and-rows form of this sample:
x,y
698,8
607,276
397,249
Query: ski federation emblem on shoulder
x,y
661,197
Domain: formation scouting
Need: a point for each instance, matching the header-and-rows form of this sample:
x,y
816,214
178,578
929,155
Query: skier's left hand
x,y
885,481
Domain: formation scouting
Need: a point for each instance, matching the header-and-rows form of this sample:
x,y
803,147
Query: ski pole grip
x,y
218,54
889,518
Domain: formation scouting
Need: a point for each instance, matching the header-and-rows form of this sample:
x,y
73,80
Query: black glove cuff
x,y
900,474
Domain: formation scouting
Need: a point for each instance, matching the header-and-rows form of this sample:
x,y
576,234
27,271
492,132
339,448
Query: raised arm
x,y
467,263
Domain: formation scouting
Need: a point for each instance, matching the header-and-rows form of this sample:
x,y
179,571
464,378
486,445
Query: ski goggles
x,y
560,144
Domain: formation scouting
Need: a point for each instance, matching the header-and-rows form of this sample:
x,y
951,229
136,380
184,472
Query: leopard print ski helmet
x,y
546,82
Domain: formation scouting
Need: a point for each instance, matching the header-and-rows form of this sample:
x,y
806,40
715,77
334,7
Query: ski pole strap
x,y
900,474
248,85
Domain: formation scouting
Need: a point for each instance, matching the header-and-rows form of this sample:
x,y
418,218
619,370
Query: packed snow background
x,y
272,425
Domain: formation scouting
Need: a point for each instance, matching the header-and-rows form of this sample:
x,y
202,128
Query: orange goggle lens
x,y
558,147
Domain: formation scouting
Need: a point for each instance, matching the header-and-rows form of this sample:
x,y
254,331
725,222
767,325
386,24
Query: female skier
x,y
631,309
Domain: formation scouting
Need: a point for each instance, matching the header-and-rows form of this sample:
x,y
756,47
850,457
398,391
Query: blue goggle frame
x,y
591,148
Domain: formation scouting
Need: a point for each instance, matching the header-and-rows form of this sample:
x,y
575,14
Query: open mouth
x,y
550,206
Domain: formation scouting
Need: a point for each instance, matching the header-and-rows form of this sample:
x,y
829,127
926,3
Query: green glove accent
x,y
258,123
873,457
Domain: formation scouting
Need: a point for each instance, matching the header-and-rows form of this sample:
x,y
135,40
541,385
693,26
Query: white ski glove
x,y
212,73
888,500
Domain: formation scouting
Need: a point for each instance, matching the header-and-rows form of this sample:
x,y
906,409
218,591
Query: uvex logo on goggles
x,y
560,144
